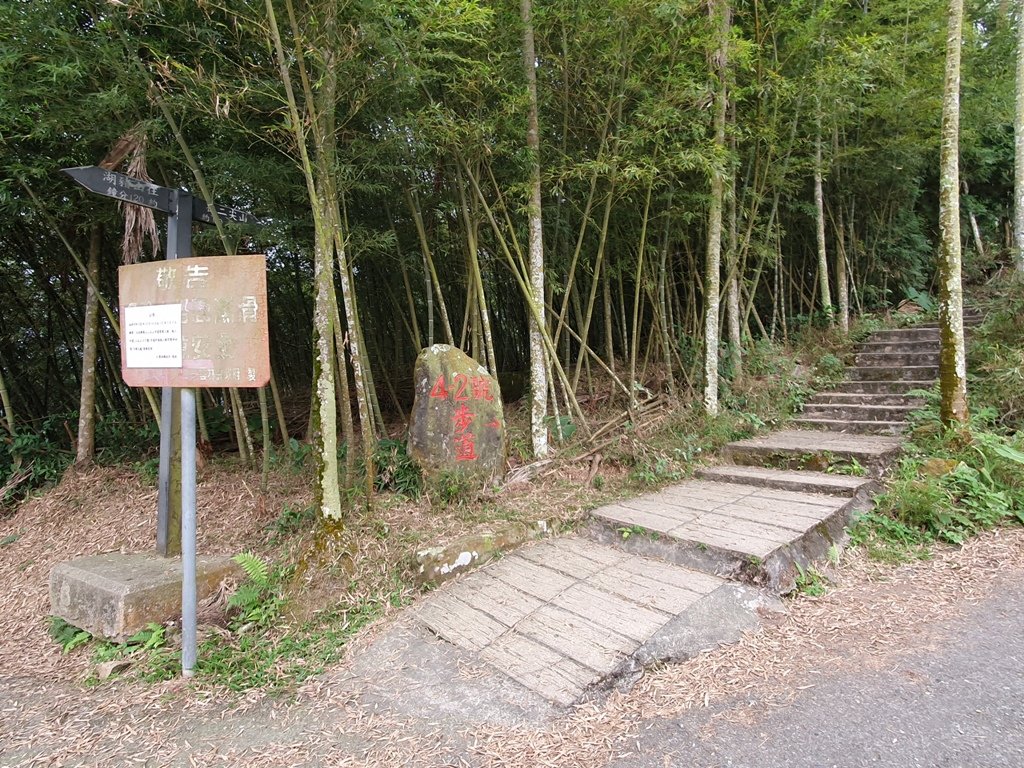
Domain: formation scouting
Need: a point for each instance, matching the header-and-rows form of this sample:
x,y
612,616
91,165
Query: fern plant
x,y
257,601
66,635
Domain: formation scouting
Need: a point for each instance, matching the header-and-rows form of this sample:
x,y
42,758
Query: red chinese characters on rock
x,y
465,441
461,390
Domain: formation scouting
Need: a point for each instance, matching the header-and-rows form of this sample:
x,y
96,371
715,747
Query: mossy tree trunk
x,y
1018,142
538,364
952,355
819,221
324,409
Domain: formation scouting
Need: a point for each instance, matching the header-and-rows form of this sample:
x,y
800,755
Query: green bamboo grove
x,y
709,173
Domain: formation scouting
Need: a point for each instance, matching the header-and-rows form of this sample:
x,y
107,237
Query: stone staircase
x,y
784,499
669,573
874,398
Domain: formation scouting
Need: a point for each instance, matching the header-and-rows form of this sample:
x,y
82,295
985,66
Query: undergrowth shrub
x,y
996,356
36,456
394,469
949,486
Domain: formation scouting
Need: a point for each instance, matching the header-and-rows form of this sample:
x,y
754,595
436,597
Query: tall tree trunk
x,y
842,278
282,423
732,298
665,324
952,355
719,11
1018,166
344,394
819,215
431,276
634,383
324,412
733,266
476,276
87,401
538,367
360,369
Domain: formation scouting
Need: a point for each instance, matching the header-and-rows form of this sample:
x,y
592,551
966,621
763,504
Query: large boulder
x,y
458,425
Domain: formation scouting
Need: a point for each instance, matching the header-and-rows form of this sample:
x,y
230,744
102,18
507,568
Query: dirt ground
x,y
50,715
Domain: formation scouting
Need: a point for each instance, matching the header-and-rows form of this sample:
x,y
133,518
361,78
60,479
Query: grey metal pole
x,y
168,520
188,531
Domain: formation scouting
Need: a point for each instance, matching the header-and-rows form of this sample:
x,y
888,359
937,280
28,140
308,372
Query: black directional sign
x,y
138,192
121,187
201,212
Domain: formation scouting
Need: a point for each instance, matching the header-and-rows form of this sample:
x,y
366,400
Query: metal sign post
x,y
169,504
176,504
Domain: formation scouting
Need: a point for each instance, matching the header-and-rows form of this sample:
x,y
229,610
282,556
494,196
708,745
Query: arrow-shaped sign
x,y
138,192
121,187
201,212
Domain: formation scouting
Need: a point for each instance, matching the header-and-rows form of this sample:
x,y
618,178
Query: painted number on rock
x,y
463,388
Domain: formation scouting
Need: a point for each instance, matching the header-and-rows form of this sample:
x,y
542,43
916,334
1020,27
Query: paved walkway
x,y
954,697
563,615
567,617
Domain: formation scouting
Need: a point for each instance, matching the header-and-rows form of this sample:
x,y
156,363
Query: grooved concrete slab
x,y
563,616
869,450
787,479
734,530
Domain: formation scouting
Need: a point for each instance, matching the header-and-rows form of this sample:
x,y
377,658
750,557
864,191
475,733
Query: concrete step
x,y
852,426
815,449
857,411
897,359
803,481
732,530
969,322
905,373
881,387
897,346
893,335
863,398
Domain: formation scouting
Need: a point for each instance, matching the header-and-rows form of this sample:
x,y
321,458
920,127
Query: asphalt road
x,y
957,702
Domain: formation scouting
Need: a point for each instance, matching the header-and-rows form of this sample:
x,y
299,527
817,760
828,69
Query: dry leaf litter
x,y
48,717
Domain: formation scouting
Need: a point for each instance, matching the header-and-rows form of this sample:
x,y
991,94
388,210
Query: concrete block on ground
x,y
115,595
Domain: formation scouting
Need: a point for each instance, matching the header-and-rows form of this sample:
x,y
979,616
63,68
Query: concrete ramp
x,y
569,616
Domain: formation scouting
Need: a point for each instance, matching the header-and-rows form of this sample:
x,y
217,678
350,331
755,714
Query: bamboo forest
x,y
605,203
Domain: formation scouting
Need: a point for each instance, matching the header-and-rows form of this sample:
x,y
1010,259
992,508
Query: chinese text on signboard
x,y
198,322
